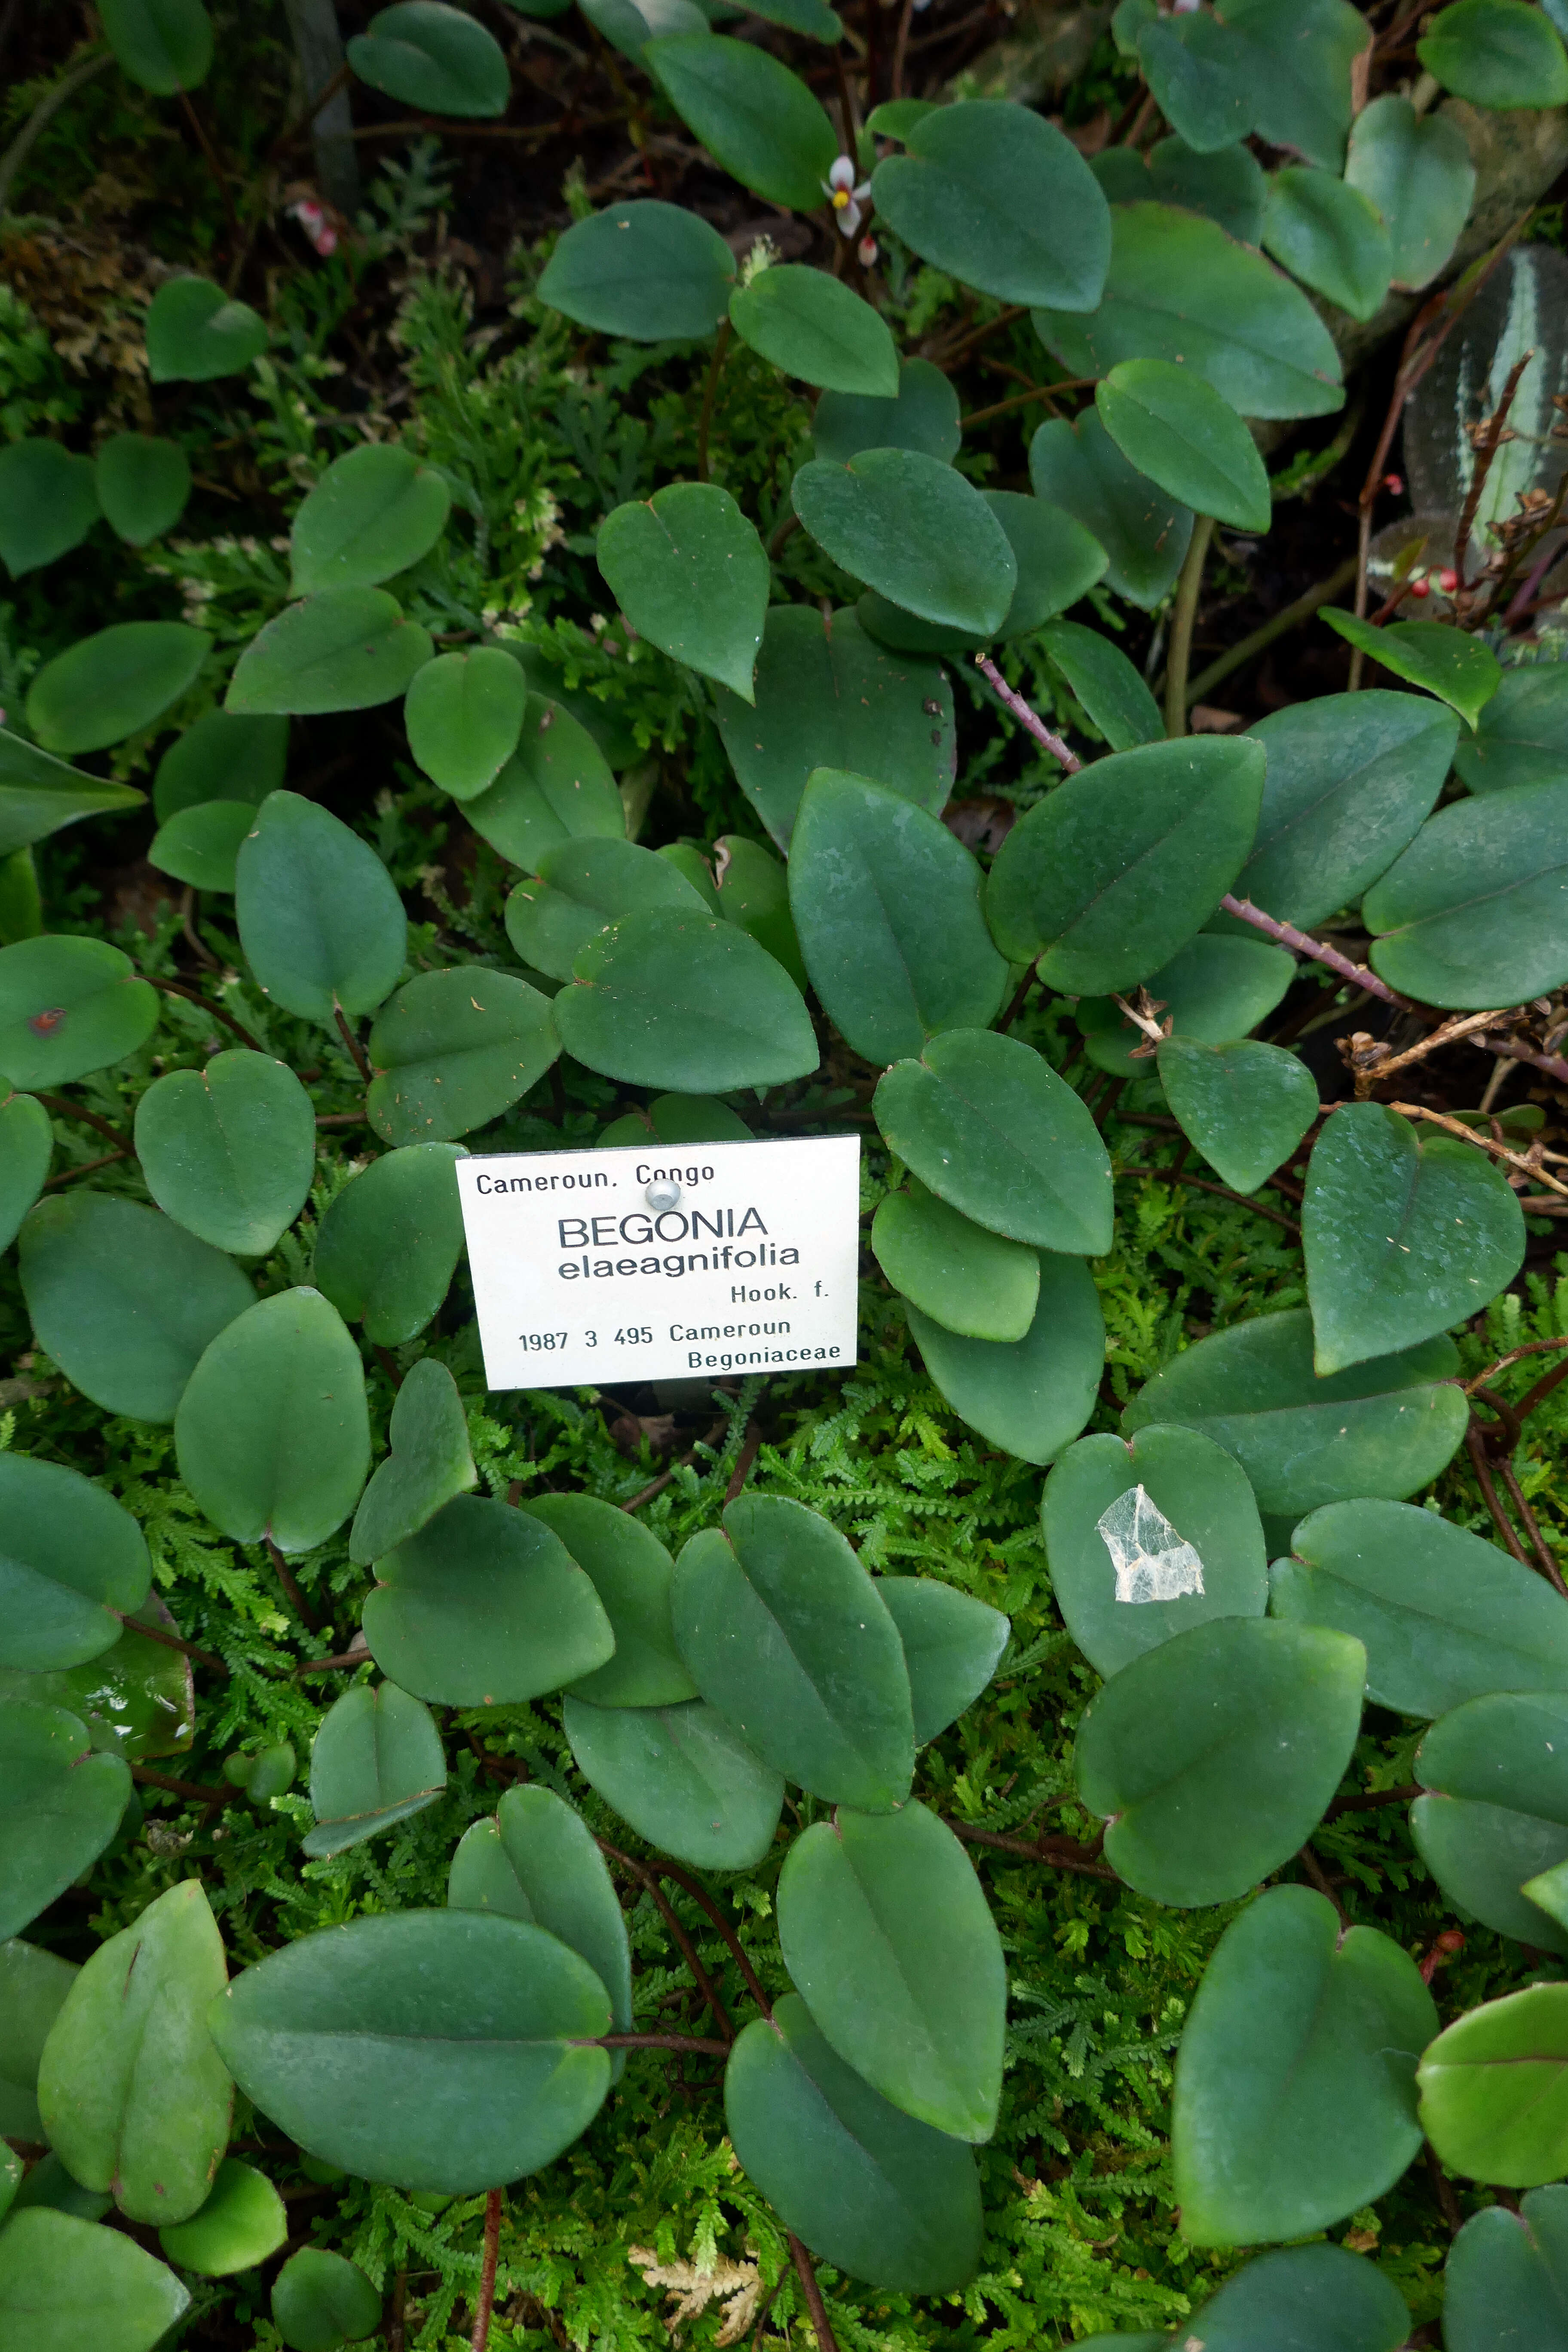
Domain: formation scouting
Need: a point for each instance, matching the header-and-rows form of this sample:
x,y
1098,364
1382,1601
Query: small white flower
x,y
846,195
866,253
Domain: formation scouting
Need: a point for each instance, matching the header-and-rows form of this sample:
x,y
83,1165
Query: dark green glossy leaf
x,y
1223,184
829,697
754,116
464,715
112,685
1494,1822
1402,1240
1198,73
1494,2089
142,486
681,1777
50,2184
815,328
344,649
26,1147
389,1244
556,787
429,1463
1180,290
320,918
49,503
664,1000
40,794
1303,59
475,2074
1497,53
1521,736
1246,1107
1057,563
136,1700
1000,199
242,2222
229,1150
201,845
952,1642
679,1119
195,333
1214,988
1033,1397
372,514
67,2286
72,1562
224,757
33,1984
164,45
1175,428
885,2199
1331,236
784,1633
1118,867
583,887
987,1125
1507,2276
59,1806
753,895
437,58
321,2302
1079,467
629,24
971,1282
1295,2100
1472,914
124,1300
453,1050
913,530
1184,1755
484,1607
272,1434
923,414
1458,670
1416,170
650,271
691,575
1307,2299
1149,1539
1113,696
536,1859
377,1757
630,1572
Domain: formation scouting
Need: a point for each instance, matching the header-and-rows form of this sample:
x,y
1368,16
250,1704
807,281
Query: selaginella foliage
x,y
574,1695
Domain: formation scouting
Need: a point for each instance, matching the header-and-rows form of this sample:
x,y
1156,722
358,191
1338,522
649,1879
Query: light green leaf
x,y
1331,236
201,845
464,715
33,1984
243,2222
1497,53
429,1462
1459,669
1402,1240
437,58
1033,1397
1295,2100
1507,2275
142,486
684,1004
453,1050
1181,1754
556,787
754,116
630,1572
319,2302
1473,913
195,332
72,1563
1521,736
69,1006
229,1150
1214,988
1173,427
1000,199
372,514
1111,692
165,46
112,685
39,794
1494,2089
49,503
815,328
536,1859
59,1806
476,2073
691,575
1077,467
1416,170
67,2286
971,1282
1245,1106
1147,1540
224,757
272,1434
681,1777
923,414
344,649
913,530
389,1243
1492,1827
320,918
377,1757
650,271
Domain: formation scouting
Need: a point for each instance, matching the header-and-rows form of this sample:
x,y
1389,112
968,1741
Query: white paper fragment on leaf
x,y
1151,1559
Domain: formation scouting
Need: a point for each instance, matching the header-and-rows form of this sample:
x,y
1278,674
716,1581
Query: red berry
x,y
1448,580
1421,587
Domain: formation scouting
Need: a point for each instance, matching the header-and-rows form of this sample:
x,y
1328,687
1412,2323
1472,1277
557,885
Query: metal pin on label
x,y
1151,1561
664,1192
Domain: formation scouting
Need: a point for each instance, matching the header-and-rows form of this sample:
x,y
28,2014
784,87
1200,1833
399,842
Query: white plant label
x,y
654,1262
1151,1561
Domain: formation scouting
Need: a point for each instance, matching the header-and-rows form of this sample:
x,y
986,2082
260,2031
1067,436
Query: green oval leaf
x,y
1507,2275
372,514
1497,53
885,2197
434,58
142,486
922,415
453,1050
1149,1539
1001,199
1494,1822
1112,694
685,1002
1181,1754
649,271
557,1876
971,1282
69,1006
1416,170
1057,563
33,1984
320,918
224,757
377,1757
428,1463
556,787
477,2073
1295,2100
49,503
1033,1397
1246,1107
320,2300
136,1700
165,46
754,116
1331,236
464,715
914,530
112,685
66,2282
124,1300
345,649
986,1124
39,794
72,1563
583,887
26,1147
272,1434
195,333
681,1777
1175,428
243,2222
1494,2089
691,575
630,1570
815,328
1199,74
1458,670
1079,467
61,1804
1402,1240
1472,913
389,1243
229,1150
201,845
1521,736
952,1645
1303,55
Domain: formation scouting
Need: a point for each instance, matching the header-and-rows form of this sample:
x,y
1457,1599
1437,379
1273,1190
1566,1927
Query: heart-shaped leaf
x,y
69,1006
377,1757
195,332
464,715
60,1803
1494,1821
142,486
886,1930
33,1984
536,1859
429,1462
1295,2100
320,2300
389,1243
1402,1240
971,1282
1385,1427
583,887
64,2281
556,787
922,415
229,1150
39,794
1181,1754
812,327
320,918
484,1607
885,2199
1307,2299
1179,288
1079,467
1031,1397
164,46
112,685
434,58
1199,74
272,1434
133,2096
1303,66
1472,913
685,1002
453,1050
124,1300
1416,170
783,1632
72,1563
1458,670
1246,1107
1173,427
828,696
1507,2275
754,116
344,649
1149,1539
1108,876
952,1645
916,531
1331,236
26,1147
630,1572
678,1120
243,2222
224,757
1002,200
1494,2089
49,503
1497,53
201,845
1521,736
477,2073
650,271
1443,1616
681,1777
691,575
986,1124
372,514
1057,563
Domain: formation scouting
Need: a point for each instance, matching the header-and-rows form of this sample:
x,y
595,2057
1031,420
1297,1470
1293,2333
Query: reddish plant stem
x,y
181,1788
704,1982
1372,1801
1553,1064
1491,443
1319,950
296,1599
1545,1558
88,1167
194,996
58,1107
1321,1881
1019,994
335,1666
1243,1200
1514,1356
699,1894
1059,1853
479,2340
353,1043
1542,1390
1475,1445
1021,711
1448,2202
657,1485
704,2048
172,1642
825,2340
749,1448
